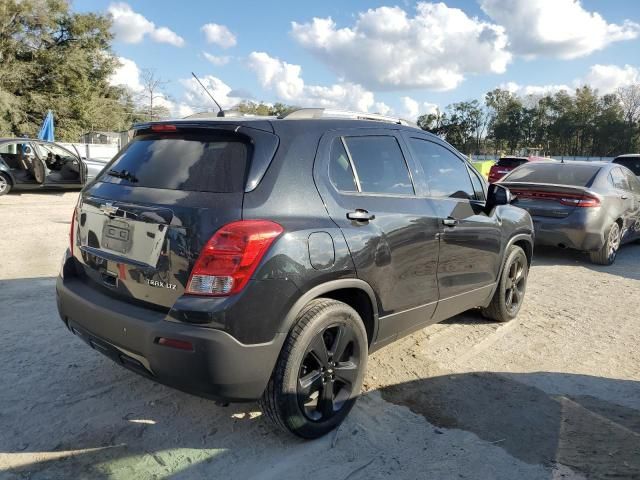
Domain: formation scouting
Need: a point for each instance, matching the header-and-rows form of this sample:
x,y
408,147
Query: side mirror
x,y
498,195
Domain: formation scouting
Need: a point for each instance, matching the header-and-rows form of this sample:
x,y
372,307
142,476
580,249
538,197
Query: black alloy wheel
x,y
328,372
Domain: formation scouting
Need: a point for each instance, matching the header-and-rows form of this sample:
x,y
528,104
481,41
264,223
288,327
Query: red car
x,y
506,164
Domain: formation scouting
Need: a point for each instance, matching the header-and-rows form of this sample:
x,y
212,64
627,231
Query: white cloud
x,y
388,49
412,109
164,35
198,100
285,79
555,28
608,78
218,61
131,27
381,108
604,78
536,90
127,74
219,35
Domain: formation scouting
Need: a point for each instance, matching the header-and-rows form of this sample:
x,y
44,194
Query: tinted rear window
x,y
632,163
182,161
510,162
559,174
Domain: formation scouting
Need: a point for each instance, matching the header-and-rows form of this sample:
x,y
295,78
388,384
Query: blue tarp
x,y
47,129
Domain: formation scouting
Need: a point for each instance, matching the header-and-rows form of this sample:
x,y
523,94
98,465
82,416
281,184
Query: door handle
x,y
360,215
449,222
624,196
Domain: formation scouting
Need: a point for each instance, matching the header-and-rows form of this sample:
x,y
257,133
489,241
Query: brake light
x,y
230,257
163,127
569,199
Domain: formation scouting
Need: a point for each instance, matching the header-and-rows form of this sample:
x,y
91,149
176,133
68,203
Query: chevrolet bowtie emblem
x,y
109,209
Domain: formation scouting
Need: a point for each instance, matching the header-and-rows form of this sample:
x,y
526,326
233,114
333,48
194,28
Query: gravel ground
x,y
554,394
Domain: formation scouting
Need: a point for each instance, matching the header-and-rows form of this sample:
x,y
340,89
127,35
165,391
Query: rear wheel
x,y
509,294
319,373
5,184
607,254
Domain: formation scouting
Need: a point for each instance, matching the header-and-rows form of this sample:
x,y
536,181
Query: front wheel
x,y
607,254
509,294
319,373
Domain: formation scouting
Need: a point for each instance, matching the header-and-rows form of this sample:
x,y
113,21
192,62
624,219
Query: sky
x,y
400,58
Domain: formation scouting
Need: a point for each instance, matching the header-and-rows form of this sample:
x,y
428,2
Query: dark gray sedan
x,y
589,206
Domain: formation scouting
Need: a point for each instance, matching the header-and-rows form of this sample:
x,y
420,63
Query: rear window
x,y
632,163
181,161
556,173
510,162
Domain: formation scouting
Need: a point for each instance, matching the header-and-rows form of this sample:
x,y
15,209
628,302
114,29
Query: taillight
x,y
230,257
72,231
569,199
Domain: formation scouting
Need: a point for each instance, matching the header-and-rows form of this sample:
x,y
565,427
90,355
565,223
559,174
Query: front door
x,y
365,180
470,240
63,167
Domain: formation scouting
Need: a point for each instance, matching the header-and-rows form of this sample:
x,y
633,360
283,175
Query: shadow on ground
x,y
627,264
540,418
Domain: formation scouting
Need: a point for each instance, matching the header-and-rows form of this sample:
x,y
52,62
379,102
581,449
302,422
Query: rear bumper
x,y
218,367
565,232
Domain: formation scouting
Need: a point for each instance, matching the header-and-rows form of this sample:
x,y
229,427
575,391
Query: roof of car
x,y
628,155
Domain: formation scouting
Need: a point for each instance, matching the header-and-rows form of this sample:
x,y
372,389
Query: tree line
x,y
580,124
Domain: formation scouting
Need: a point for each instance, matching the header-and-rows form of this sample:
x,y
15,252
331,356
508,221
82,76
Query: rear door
x,y
470,240
142,224
365,179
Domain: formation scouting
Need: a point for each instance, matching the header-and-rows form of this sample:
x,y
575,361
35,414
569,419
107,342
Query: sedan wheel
x,y
607,254
5,184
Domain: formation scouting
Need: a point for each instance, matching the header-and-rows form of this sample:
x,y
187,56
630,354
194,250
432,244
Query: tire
x,y
306,368
509,295
5,184
607,254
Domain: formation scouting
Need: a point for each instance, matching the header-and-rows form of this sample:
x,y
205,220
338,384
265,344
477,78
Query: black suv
x,y
263,259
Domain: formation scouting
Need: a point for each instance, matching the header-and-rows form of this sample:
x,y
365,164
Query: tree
x,y
263,109
629,97
152,93
53,59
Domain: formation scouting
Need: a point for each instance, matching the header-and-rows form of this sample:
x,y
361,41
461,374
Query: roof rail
x,y
308,113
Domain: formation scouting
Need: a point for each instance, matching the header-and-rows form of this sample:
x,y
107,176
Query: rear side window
x,y
618,180
340,171
380,165
555,173
446,175
181,161
632,163
510,162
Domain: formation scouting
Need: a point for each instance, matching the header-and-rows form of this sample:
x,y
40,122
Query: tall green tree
x,y
54,59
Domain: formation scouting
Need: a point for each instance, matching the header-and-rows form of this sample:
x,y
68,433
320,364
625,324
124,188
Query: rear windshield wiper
x,y
123,174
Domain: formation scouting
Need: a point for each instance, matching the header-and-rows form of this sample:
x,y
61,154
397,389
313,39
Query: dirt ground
x,y
554,394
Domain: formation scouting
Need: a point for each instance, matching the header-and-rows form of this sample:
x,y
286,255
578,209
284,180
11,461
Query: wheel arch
x,y
356,293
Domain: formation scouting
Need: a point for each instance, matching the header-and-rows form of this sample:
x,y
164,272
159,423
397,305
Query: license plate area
x,y
117,235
